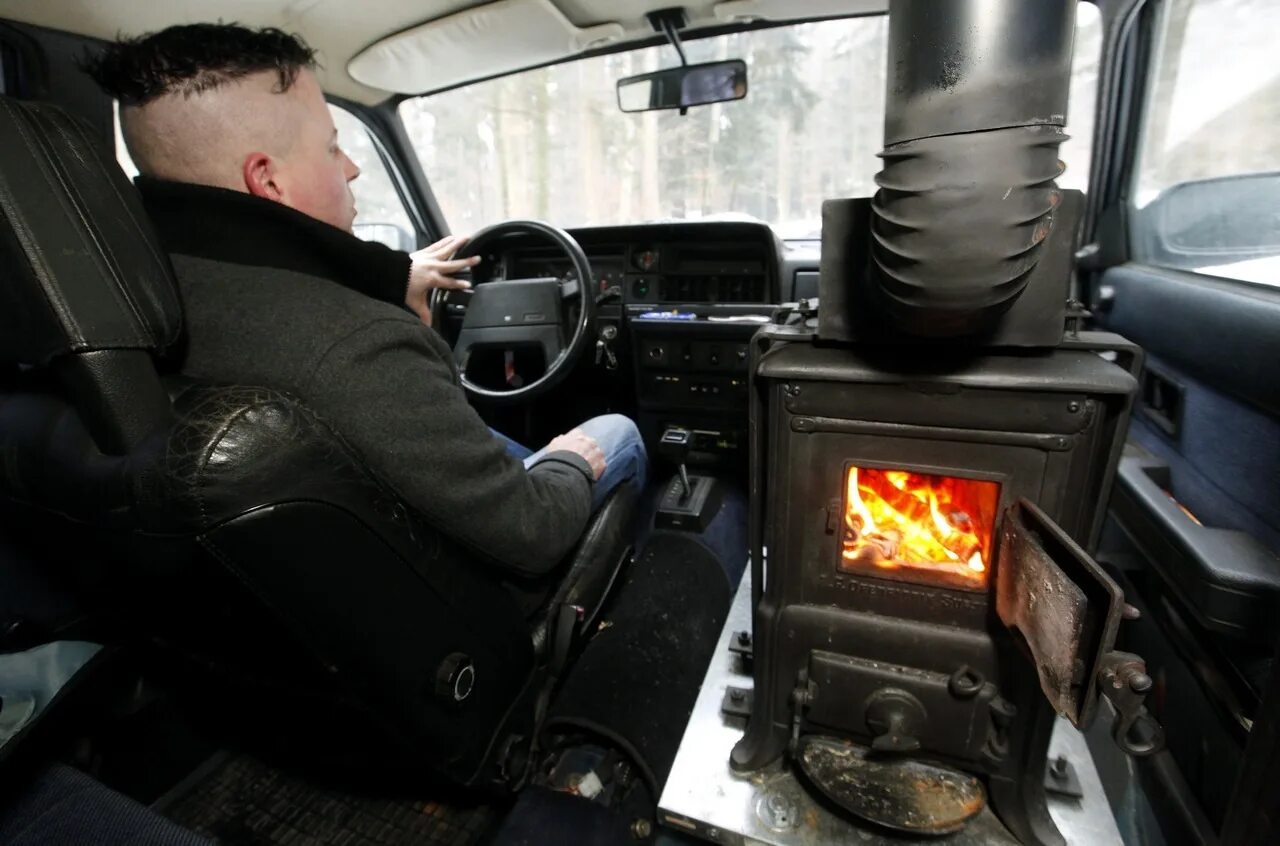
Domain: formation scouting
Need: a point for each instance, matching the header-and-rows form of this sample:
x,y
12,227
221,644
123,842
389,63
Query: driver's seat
x,y
229,522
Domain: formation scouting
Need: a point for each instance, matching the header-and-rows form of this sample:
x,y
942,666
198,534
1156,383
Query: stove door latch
x,y
1123,681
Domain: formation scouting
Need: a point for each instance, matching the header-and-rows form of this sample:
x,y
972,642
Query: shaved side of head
x,y
230,107
195,99
204,137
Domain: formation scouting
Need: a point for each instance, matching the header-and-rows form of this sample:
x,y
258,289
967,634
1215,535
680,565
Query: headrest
x,y
80,268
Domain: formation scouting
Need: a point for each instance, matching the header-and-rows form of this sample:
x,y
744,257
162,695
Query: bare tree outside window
x,y
552,144
1208,170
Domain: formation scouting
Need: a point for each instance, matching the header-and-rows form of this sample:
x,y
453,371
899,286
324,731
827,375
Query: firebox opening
x,y
918,527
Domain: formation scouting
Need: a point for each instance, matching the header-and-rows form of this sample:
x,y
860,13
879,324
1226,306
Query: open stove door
x,y
1068,611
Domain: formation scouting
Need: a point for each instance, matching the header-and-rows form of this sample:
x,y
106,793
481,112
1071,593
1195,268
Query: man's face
x,y
314,176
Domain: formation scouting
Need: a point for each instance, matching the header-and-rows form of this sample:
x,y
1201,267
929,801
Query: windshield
x,y
552,144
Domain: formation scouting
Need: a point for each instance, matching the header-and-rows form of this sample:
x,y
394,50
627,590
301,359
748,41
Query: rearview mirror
x,y
683,86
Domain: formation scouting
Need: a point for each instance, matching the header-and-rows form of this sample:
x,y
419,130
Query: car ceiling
x,y
341,30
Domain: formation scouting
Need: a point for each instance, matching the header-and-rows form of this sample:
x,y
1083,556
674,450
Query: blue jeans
x,y
624,454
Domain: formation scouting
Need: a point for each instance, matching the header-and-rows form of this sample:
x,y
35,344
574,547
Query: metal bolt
x,y
744,638
641,829
1058,769
1140,683
1073,406
777,811
736,695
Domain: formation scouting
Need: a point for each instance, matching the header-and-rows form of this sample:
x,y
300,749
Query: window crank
x,y
604,348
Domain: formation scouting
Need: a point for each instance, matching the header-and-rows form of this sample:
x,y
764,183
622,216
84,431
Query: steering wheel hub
x,y
517,314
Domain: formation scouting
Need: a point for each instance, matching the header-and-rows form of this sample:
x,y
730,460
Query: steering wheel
x,y
510,313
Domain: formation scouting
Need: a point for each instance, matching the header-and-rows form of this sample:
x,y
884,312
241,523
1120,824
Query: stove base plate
x,y
706,799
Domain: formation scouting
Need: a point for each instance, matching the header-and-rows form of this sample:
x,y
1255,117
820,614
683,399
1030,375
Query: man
x,y
243,176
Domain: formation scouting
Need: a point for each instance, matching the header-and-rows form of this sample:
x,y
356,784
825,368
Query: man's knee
x,y
618,429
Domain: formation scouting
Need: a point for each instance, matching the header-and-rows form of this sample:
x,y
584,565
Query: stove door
x,y
1062,603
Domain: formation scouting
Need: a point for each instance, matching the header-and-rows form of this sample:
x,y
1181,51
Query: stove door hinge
x,y
1123,681
1068,611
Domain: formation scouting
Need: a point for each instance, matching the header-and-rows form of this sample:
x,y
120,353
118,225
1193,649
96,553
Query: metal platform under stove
x,y
703,797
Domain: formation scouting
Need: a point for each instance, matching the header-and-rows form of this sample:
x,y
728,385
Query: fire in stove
x,y
918,527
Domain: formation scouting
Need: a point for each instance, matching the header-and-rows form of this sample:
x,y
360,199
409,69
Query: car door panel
x,y
1219,342
1197,499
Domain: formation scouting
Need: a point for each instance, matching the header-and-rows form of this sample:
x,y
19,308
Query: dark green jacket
x,y
272,297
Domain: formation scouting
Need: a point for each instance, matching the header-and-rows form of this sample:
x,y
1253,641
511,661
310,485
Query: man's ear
x,y
261,177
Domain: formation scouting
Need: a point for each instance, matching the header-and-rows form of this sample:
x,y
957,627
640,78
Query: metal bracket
x,y
1123,680
741,644
1060,778
804,692
1076,316
736,702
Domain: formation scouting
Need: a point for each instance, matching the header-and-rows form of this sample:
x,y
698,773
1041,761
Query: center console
x,y
691,372
691,316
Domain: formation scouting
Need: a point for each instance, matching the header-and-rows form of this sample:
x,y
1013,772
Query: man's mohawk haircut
x,y
194,58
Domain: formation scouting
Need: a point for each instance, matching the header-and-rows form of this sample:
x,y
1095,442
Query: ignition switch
x,y
604,346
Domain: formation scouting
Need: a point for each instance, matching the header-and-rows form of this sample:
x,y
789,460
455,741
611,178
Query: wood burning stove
x,y
932,451
887,493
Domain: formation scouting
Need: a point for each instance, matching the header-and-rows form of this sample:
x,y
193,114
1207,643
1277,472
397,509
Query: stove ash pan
x,y
923,595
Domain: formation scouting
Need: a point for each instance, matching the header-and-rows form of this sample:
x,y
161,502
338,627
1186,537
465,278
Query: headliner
x,y
341,29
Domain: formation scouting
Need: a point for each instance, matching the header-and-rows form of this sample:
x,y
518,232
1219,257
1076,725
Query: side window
x,y
1207,179
122,152
380,215
1087,51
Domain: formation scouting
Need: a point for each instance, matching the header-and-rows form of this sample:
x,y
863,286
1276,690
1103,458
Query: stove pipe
x,y
976,101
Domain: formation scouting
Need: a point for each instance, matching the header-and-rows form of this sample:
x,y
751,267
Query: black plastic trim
x,y
1226,578
1224,333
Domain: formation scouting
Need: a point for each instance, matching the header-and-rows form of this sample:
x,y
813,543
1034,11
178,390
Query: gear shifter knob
x,y
674,446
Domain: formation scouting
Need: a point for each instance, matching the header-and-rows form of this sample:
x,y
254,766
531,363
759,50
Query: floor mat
x,y
636,681
242,801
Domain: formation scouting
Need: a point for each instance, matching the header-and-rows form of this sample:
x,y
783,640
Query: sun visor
x,y
737,11
475,43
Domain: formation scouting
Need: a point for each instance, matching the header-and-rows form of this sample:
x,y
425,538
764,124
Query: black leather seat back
x,y
232,521
238,525
87,290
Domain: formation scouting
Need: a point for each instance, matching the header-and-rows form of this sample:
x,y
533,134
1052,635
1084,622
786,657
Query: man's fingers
x,y
457,243
430,247
439,280
456,264
446,246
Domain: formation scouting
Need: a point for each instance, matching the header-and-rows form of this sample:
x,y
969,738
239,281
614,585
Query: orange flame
x,y
918,527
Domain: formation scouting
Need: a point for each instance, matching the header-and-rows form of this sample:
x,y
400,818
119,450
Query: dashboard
x,y
678,304
664,264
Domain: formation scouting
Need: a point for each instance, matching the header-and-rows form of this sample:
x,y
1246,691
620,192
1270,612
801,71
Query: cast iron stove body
x,y
932,454
898,659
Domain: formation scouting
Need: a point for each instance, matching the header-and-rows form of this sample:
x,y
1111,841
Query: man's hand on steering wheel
x,y
432,268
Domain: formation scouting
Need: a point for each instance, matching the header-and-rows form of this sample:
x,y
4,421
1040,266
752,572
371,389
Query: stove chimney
x,y
976,101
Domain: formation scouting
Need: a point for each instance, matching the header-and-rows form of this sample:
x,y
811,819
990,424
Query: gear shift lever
x,y
674,446
690,503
